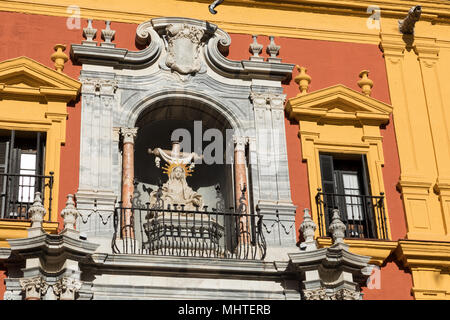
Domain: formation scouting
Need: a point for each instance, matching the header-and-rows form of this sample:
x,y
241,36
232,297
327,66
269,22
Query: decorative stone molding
x,y
256,49
183,49
89,33
323,280
268,101
59,57
33,287
346,294
66,288
108,35
316,294
128,134
99,86
150,33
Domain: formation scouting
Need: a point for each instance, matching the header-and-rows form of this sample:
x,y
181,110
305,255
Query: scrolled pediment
x,y
338,103
23,76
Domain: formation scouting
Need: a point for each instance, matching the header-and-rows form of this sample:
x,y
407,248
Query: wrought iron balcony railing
x,y
364,216
17,194
178,232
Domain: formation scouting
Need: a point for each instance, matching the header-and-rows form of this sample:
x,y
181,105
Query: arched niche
x,y
157,122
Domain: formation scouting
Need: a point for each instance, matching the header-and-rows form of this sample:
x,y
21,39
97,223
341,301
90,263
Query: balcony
x,y
364,216
17,194
175,231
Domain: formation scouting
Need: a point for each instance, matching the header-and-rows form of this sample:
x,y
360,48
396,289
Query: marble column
x,y
128,135
240,182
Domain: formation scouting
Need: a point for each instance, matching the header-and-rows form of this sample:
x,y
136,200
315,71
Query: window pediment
x,y
338,103
25,77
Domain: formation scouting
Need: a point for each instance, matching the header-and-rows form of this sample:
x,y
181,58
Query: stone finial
x,y
37,211
337,228
69,213
59,57
89,33
273,50
365,83
108,35
256,49
303,80
308,228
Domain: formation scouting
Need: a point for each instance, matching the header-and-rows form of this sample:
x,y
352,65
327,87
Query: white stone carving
x,y
66,288
256,49
273,50
34,287
316,294
89,33
108,35
337,227
183,52
128,134
69,213
308,228
37,211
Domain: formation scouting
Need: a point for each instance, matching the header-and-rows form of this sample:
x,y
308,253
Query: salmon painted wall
x,y
328,63
34,36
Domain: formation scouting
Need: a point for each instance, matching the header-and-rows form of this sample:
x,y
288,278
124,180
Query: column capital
x,y
34,287
128,134
66,288
240,142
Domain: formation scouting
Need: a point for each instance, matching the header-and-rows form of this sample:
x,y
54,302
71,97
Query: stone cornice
x,y
433,254
132,11
163,265
52,245
378,250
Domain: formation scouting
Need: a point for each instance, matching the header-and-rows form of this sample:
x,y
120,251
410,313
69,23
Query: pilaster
x,y
96,194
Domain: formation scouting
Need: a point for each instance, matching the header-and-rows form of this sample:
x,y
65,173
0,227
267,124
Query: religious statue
x,y
176,190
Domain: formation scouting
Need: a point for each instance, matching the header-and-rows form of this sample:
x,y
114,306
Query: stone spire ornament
x,y
303,80
308,228
89,33
256,49
273,50
108,35
69,213
36,213
59,57
365,83
337,228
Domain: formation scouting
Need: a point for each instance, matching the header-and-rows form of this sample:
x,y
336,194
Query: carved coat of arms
x,y
183,51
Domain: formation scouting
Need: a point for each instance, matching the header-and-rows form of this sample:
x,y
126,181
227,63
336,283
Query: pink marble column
x,y
128,135
240,182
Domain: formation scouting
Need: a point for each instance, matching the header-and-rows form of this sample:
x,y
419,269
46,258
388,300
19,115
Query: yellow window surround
x,y
34,97
342,121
